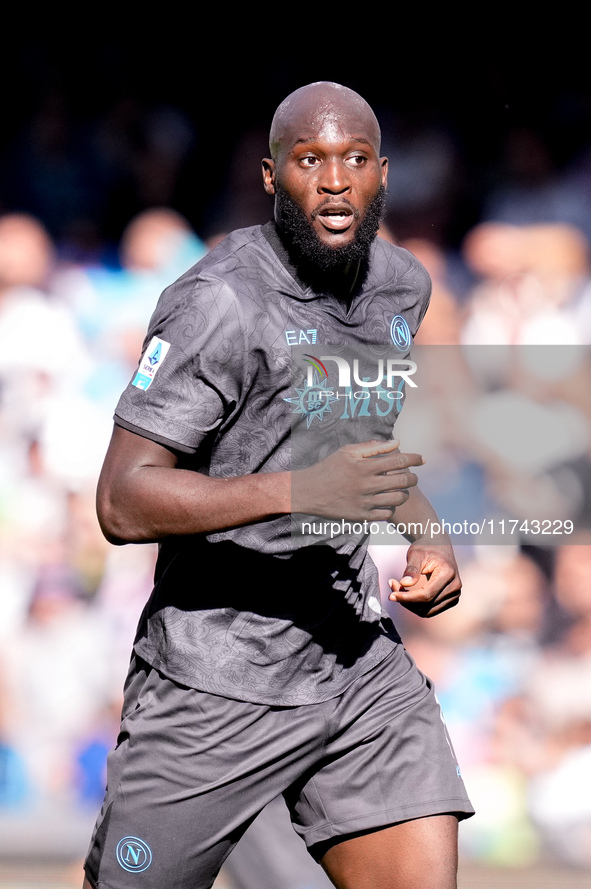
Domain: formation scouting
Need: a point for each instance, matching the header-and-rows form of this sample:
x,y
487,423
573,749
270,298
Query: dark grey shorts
x,y
192,770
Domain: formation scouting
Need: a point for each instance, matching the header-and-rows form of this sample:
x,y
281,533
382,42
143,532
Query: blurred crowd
x,y
511,664
70,336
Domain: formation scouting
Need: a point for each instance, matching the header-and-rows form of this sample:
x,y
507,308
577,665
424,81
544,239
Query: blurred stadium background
x,y
126,152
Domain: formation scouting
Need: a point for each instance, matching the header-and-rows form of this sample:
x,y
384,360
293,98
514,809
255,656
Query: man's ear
x,y
384,166
269,175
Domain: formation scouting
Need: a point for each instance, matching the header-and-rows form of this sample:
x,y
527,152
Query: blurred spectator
x,y
42,356
69,598
57,675
530,188
243,202
47,169
442,323
424,174
533,285
40,346
112,307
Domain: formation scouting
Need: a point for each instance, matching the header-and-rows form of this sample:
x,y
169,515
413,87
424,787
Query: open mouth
x,y
336,217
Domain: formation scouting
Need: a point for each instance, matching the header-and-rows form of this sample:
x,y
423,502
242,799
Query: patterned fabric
x,y
246,613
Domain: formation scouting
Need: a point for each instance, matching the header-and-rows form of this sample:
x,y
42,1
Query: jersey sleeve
x,y
424,296
418,281
191,375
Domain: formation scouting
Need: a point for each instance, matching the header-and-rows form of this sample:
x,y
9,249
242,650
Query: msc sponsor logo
x,y
133,854
313,401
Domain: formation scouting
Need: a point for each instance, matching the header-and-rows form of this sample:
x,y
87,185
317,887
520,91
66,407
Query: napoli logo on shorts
x,y
133,854
400,333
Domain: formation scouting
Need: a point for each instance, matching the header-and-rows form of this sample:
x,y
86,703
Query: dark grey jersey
x,y
248,613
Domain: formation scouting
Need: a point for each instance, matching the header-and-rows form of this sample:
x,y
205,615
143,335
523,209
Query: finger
x,y
410,577
384,509
442,576
412,592
394,586
413,571
431,609
427,595
375,447
387,451
383,512
385,484
439,572
387,500
430,587
396,461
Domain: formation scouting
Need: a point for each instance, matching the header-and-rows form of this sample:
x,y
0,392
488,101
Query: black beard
x,y
310,255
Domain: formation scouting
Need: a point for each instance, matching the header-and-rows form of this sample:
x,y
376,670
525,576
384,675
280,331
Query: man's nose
x,y
334,178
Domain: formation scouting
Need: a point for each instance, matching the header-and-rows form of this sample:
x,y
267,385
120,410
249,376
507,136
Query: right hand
x,y
357,482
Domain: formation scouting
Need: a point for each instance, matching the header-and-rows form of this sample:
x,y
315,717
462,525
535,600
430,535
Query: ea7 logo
x,y
133,854
298,337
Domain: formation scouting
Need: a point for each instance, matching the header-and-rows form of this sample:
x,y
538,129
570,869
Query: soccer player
x,y
263,667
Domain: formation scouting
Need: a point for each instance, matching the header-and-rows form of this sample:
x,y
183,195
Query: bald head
x,y
319,106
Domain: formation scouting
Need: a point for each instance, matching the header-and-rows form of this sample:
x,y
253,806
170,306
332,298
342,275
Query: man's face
x,y
328,168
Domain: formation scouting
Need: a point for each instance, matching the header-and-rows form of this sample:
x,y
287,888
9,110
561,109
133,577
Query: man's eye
x,y
309,161
357,160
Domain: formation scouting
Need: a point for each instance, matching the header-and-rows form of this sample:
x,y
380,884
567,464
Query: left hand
x,y
431,581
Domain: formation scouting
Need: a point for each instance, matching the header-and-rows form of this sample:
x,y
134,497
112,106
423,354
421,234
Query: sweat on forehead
x,y
313,105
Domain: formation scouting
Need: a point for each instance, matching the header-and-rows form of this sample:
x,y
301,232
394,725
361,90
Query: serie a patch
x,y
150,361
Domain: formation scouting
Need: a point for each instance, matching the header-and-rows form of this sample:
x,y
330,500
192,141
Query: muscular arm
x,y
143,496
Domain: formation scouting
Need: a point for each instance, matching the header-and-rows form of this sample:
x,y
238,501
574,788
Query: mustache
x,y
331,200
